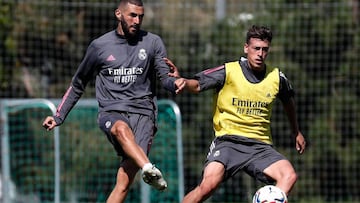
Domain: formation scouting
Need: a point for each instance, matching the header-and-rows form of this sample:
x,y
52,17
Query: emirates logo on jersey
x,y
142,54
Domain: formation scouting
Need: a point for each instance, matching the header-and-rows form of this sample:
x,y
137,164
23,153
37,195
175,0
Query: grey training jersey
x,y
125,72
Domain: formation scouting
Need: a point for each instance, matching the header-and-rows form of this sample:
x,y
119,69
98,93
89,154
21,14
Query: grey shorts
x,y
240,153
143,127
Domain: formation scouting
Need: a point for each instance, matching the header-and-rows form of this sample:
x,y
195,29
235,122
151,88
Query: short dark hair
x,y
135,2
259,32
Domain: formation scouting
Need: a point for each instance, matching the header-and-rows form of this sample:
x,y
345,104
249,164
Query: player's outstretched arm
x,y
174,71
49,123
191,85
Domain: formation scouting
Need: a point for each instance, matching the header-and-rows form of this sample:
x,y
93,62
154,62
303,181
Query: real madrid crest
x,y
142,54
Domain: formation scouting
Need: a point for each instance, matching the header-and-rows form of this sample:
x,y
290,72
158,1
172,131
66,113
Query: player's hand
x,y
49,123
174,71
180,85
300,143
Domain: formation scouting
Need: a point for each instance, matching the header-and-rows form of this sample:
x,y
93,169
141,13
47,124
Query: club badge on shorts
x,y
108,124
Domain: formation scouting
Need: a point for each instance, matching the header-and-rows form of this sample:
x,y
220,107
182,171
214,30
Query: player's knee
x,y
293,177
122,186
123,181
120,130
290,177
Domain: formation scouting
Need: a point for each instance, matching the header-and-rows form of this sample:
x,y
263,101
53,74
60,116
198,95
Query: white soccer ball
x,y
269,194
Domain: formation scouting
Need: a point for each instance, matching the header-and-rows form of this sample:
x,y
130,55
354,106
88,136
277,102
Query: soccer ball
x,y
269,194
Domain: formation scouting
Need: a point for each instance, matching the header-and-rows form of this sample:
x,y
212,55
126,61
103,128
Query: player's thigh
x,y
279,169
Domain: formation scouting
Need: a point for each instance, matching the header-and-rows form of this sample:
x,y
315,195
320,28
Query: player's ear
x,y
118,13
246,46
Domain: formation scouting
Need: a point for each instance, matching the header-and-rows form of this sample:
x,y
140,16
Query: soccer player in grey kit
x,y
126,62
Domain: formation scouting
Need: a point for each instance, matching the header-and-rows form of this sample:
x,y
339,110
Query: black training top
x,y
125,72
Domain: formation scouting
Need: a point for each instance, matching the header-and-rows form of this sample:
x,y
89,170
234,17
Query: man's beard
x,y
125,28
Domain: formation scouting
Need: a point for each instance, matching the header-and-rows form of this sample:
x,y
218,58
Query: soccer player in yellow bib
x,y
245,94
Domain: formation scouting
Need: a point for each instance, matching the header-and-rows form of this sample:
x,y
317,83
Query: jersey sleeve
x,y
213,78
84,73
160,66
286,90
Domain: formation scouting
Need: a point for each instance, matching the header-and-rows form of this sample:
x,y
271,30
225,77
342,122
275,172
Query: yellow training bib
x,y
244,108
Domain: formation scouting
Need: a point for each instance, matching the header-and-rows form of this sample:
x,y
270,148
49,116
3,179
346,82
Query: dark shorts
x,y
142,126
240,153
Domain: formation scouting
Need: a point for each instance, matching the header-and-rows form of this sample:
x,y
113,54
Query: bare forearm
x,y
192,86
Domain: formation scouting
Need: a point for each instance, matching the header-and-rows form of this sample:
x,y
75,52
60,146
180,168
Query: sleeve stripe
x,y
63,101
211,70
